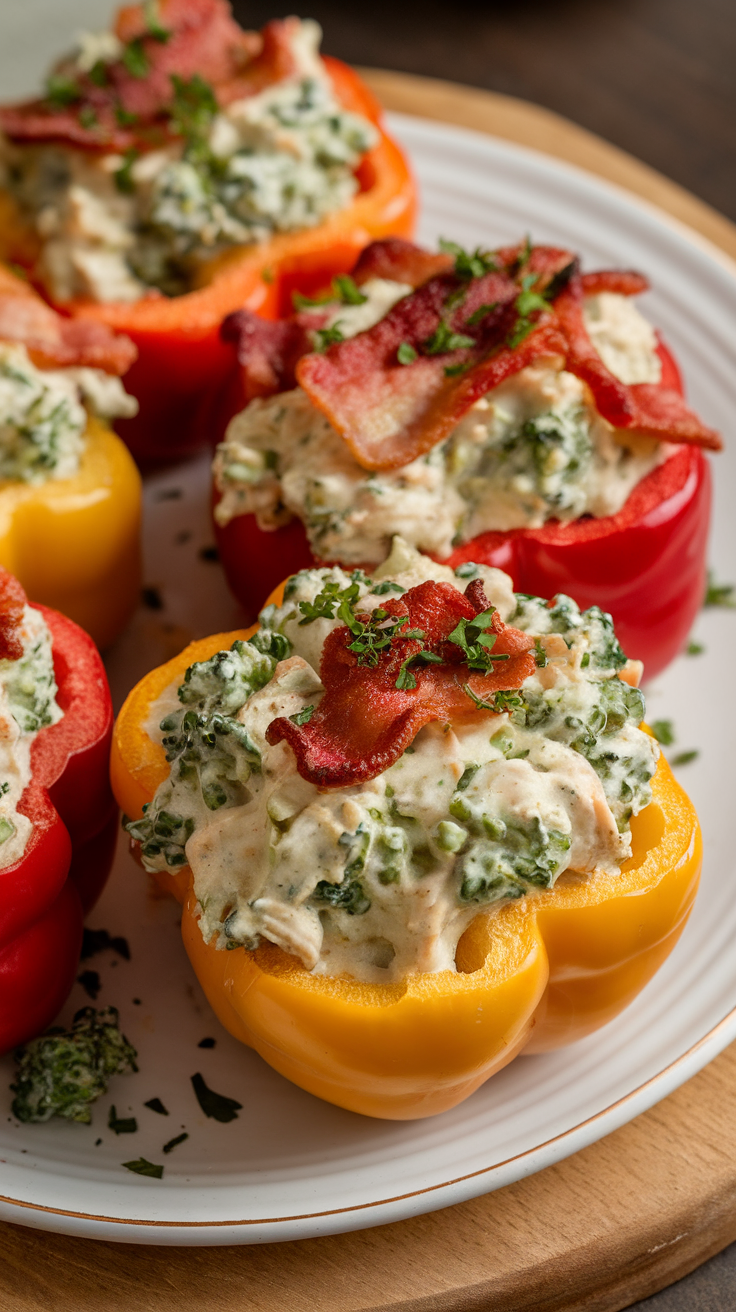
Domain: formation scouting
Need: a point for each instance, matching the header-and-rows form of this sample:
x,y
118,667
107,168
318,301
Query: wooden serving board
x,y
606,1227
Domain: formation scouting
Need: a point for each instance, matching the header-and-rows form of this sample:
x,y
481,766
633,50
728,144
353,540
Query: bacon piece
x,y
399,261
364,722
56,343
662,413
625,282
268,350
12,602
389,413
204,39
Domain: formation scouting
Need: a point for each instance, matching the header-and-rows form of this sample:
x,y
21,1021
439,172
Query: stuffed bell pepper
x,y
177,168
497,407
415,825
58,819
70,493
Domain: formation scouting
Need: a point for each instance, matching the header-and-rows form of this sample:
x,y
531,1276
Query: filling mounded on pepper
x,y
169,141
27,704
385,757
498,392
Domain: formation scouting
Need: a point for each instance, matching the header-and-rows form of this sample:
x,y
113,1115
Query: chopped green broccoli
x,y
64,1071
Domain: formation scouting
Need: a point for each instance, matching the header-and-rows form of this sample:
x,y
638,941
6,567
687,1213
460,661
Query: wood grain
x,y
604,1228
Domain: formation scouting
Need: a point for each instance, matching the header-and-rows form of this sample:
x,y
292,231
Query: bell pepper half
x,y
182,361
74,543
538,973
646,564
69,853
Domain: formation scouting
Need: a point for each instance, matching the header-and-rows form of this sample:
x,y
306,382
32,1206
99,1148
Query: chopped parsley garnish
x,y
302,717
406,353
87,117
348,290
173,1143
124,175
156,1105
124,118
684,758
469,264
143,1167
388,585
694,648
135,59
121,1125
98,74
719,594
215,1105
475,642
453,370
466,777
480,314
62,91
326,337
99,940
154,25
443,339
664,732
502,701
192,109
540,655
406,680
527,303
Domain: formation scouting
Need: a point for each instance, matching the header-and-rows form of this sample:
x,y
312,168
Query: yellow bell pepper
x,y
74,543
532,974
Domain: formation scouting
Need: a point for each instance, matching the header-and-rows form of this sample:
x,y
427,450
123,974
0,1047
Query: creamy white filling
x,y
531,450
419,847
112,227
27,703
43,415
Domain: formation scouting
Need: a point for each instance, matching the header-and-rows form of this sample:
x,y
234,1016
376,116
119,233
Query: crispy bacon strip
x,y
268,350
390,413
662,413
203,39
399,261
611,397
54,342
364,722
12,601
625,282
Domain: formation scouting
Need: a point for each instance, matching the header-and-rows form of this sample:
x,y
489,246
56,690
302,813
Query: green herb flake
x,y
719,594
326,337
664,732
694,648
143,1167
467,570
215,1105
135,59
406,353
174,1143
156,1105
480,314
469,264
98,74
443,339
388,585
467,777
124,176
154,25
685,758
454,370
62,91
348,291
121,1124
302,717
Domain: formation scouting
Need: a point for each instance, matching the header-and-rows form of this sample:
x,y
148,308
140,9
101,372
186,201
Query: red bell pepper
x,y
67,859
646,564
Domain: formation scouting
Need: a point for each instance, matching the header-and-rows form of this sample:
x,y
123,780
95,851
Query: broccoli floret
x,y
63,1072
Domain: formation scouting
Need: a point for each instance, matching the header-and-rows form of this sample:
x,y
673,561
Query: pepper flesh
x,y
534,974
67,859
182,362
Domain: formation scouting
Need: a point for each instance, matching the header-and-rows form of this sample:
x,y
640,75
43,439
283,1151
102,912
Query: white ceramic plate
x,y
291,1166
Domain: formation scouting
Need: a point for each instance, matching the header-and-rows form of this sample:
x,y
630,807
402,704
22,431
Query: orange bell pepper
x,y
181,359
533,974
